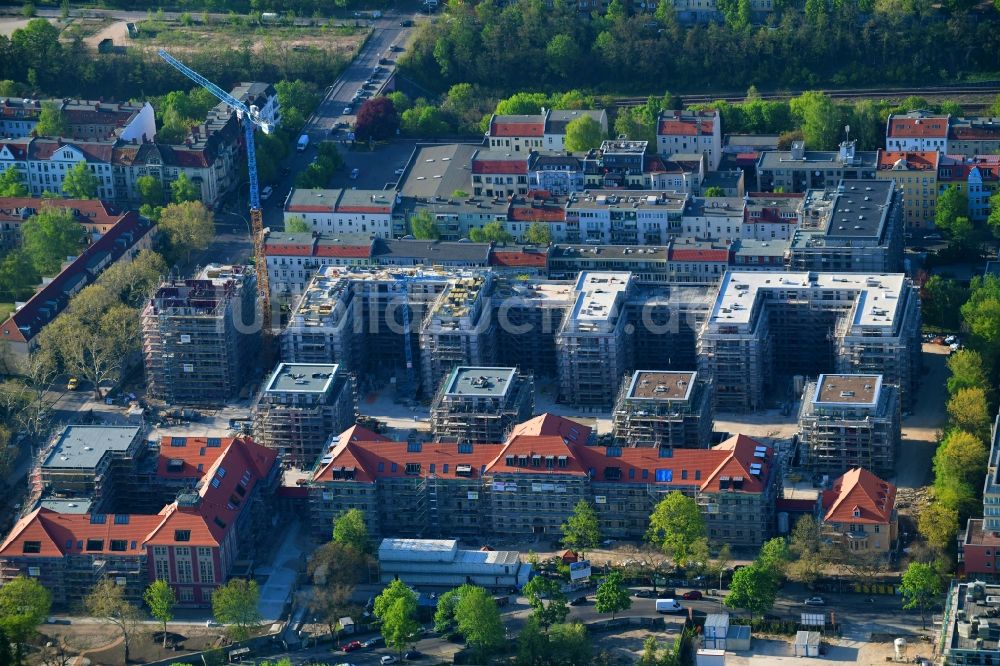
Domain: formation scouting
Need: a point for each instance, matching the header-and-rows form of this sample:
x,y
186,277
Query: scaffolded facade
x,y
664,409
481,405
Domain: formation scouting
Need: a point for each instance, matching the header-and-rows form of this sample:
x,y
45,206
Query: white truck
x,y
303,143
668,606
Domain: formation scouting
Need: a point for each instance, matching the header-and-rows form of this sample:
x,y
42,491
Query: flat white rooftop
x,y
598,292
877,296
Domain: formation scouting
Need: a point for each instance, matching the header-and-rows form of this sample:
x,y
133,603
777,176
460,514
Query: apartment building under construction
x,y
477,404
459,329
323,327
664,409
200,337
766,328
301,406
528,315
594,343
849,421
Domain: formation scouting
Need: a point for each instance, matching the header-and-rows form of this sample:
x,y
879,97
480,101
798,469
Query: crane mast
x,y
251,118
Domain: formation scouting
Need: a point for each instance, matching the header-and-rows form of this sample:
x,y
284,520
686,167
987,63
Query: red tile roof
x,y
550,424
306,208
935,127
916,160
500,166
61,534
686,123
698,254
375,210
859,491
513,128
344,251
86,211
287,249
196,454
525,213
513,259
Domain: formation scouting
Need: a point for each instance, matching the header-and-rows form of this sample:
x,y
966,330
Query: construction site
x,y
664,409
301,406
200,338
481,405
850,323
849,421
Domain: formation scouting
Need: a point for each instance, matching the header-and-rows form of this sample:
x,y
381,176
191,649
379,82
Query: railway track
x,y
984,88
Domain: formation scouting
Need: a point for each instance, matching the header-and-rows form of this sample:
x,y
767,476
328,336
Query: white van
x,y
668,606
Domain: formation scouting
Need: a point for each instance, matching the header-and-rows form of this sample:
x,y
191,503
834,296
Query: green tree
x,y
187,226
938,524
107,601
235,605
491,232
714,191
51,121
675,525
396,607
349,529
951,205
24,605
611,596
941,301
811,557
583,133
967,370
159,596
80,182
547,601
538,234
564,55
994,219
582,530
968,411
18,276
424,226
569,645
982,313
753,589
11,184
921,584
478,620
774,556
444,612
819,117
184,189
297,225
150,190
49,236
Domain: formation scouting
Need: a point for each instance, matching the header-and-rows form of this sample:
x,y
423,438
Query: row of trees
x,y
544,46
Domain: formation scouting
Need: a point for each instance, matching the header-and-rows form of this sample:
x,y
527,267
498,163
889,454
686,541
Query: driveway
x,y
280,584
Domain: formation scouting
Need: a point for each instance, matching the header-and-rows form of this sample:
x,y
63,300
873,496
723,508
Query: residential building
x,y
97,217
646,264
499,175
529,314
592,349
977,177
798,169
200,336
262,95
294,258
664,409
554,131
849,421
530,484
301,406
757,255
915,175
531,260
849,323
691,131
716,218
88,120
771,216
121,243
192,543
556,173
858,227
82,461
917,131
974,136
859,514
343,211
697,262
979,546
614,217
43,163
732,182
481,405
516,133
411,253
967,634
441,563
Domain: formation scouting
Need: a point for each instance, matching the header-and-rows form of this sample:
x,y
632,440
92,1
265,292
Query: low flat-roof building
x,y
664,409
798,169
969,634
849,421
481,404
301,406
441,563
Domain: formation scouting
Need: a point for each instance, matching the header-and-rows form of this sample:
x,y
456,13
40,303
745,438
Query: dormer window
x,y
857,512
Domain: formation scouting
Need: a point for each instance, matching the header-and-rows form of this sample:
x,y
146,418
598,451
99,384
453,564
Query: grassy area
x,y
5,310
160,33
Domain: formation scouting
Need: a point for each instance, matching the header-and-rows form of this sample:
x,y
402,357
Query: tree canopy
x,y
24,605
187,226
478,620
582,530
675,525
376,119
583,133
50,236
611,596
396,607
349,529
235,605
80,182
920,586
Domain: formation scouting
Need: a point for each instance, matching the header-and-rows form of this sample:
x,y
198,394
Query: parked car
x,y
412,655
354,173
579,601
645,594
346,111
932,237
352,646
815,601
691,595
266,193
387,659
73,384
378,641
406,23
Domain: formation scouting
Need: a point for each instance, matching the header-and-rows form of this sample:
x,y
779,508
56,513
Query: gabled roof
x,y
532,447
60,534
518,258
189,457
687,123
355,433
913,160
551,425
86,211
513,126
859,492
918,126
698,254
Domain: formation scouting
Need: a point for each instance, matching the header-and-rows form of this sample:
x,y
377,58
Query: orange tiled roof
x,y
859,491
916,160
919,128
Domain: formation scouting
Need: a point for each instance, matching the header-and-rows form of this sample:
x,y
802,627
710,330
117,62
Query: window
x,y
413,468
222,472
95,544
119,545
184,571
185,594
31,547
218,521
614,451
394,467
98,519
121,519
206,571
444,468
381,467
162,569
178,441
182,535
413,447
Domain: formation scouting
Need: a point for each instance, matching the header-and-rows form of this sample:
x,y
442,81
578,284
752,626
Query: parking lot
x,y
376,167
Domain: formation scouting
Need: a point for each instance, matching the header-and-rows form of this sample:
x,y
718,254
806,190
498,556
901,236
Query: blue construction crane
x,y
250,115
405,281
